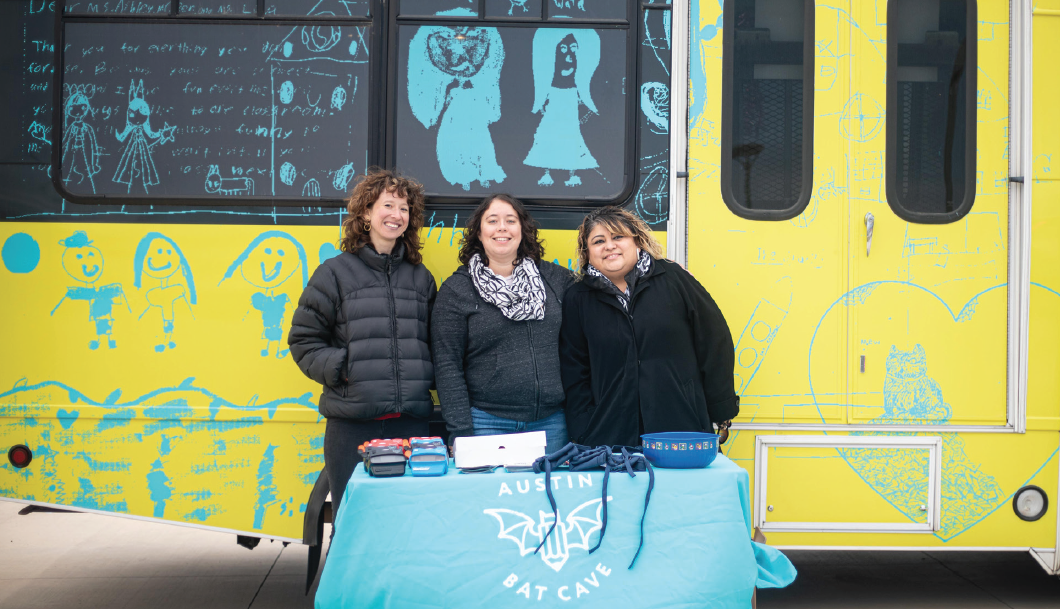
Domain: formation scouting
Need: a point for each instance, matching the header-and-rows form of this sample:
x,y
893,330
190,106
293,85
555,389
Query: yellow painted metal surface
x,y
927,308
208,422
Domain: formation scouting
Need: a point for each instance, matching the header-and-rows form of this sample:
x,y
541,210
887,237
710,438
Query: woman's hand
x,y
723,431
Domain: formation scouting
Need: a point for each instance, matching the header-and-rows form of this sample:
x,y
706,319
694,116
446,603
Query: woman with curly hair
x,y
495,329
643,348
361,327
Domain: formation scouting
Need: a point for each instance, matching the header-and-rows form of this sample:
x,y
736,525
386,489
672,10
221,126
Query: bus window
x,y
542,111
767,138
931,70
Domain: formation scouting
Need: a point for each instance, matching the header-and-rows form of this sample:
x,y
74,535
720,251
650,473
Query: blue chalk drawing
x,y
267,263
311,188
286,92
454,83
216,185
160,488
266,486
20,253
81,150
517,3
89,497
137,166
655,104
84,262
862,118
288,173
342,178
761,329
338,97
697,74
564,62
911,396
112,420
327,252
67,418
159,257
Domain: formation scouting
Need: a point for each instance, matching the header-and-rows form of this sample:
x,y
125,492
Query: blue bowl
x,y
680,449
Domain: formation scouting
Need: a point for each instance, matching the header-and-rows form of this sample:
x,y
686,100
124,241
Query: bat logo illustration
x,y
572,532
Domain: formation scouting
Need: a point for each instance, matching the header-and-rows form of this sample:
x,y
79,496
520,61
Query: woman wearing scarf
x,y
643,347
495,329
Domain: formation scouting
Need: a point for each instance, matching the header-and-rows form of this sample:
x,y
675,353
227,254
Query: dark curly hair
x,y
530,246
364,195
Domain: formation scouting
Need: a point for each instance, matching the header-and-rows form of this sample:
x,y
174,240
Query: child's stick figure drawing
x,y
564,63
158,257
137,167
454,82
84,262
81,150
270,260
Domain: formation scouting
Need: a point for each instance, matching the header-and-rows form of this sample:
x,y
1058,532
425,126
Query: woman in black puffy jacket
x,y
361,327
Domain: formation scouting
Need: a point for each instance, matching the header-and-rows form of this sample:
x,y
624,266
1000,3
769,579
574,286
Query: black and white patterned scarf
x,y
641,269
520,299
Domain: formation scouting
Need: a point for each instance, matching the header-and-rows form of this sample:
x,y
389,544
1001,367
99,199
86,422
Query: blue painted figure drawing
x,y
158,257
81,150
564,63
137,167
270,260
454,83
84,262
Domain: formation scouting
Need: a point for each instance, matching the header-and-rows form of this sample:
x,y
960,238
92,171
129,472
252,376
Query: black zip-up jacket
x,y
507,368
361,330
666,365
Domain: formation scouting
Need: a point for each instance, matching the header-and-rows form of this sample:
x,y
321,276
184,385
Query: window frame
x,y
631,177
375,76
808,72
382,22
970,121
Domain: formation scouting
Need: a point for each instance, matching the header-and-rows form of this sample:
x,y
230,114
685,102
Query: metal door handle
x,y
870,221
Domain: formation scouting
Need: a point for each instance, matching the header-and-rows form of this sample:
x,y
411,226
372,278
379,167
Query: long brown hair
x,y
619,222
530,246
364,195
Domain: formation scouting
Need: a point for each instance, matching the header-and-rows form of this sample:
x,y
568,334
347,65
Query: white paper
x,y
508,449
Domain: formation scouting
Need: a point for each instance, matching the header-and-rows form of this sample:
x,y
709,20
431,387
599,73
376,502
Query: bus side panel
x,y
147,368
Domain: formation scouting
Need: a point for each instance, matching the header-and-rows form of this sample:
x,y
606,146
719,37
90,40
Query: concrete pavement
x,y
91,561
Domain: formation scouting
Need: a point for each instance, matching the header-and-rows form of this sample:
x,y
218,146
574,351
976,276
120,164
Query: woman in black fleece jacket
x,y
644,347
495,329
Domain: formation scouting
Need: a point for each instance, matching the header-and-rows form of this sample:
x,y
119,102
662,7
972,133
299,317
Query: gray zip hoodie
x,y
484,360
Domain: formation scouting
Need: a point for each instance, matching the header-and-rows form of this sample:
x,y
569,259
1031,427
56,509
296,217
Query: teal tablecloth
x,y
467,540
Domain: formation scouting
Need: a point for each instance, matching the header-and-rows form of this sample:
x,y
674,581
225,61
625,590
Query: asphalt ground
x,y
74,560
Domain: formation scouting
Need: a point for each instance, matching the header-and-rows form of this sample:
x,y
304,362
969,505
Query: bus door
x,y
927,167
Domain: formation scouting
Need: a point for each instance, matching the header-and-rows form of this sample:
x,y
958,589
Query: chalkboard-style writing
x,y
81,149
84,263
454,82
564,63
158,257
137,167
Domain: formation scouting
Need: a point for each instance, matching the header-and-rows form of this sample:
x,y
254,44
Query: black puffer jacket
x,y
664,365
361,330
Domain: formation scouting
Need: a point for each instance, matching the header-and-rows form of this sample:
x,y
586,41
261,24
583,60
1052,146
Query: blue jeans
x,y
554,426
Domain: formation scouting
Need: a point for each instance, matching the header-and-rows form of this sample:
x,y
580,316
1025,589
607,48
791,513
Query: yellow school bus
x,y
852,183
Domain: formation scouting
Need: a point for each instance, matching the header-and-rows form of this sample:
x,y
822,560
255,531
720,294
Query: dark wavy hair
x,y
530,246
364,195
